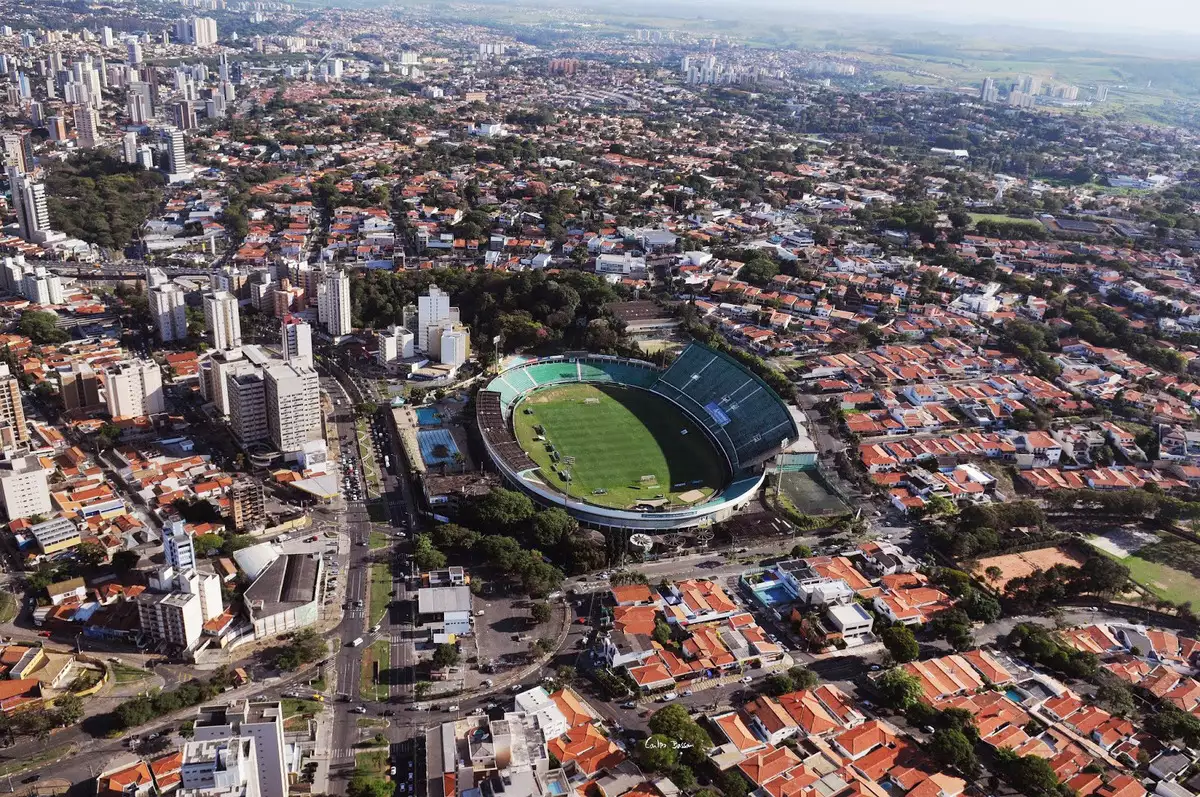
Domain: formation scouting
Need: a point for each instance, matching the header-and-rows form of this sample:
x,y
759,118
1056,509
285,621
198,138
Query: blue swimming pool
x,y
773,593
1014,695
437,446
428,416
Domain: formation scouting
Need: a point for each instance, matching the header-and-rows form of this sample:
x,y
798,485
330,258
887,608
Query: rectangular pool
x,y
774,593
428,416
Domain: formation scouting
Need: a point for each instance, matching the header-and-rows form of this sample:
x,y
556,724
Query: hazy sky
x,y
1161,16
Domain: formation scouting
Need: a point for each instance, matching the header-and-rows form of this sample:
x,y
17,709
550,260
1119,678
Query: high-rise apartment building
x,y
172,617
296,337
200,31
133,389
247,392
12,412
223,320
179,549
247,504
57,125
18,152
87,127
261,721
433,314
79,387
129,147
333,303
169,311
24,486
293,394
29,200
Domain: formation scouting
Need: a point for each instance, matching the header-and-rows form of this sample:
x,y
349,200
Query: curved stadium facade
x,y
742,416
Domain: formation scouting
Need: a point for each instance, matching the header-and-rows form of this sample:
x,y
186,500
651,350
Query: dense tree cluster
x,y
146,707
97,198
1040,646
1044,589
528,309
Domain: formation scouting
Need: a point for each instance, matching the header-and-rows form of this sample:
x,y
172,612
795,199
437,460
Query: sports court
x,y
808,495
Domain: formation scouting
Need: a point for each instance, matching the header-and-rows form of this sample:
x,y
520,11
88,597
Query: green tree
x,y
540,612
1029,775
444,656
91,554
803,677
41,327
662,631
126,560
899,688
549,528
425,555
421,689
658,754
305,647
778,684
900,643
951,747
500,510
980,606
68,709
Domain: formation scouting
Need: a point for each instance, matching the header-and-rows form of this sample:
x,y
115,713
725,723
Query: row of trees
x,y
146,707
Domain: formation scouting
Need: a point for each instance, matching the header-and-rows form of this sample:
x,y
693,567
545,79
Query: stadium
x,y
623,444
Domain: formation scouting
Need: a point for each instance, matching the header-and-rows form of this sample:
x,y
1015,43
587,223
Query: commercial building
x,y
133,389
169,310
333,303
23,483
286,595
296,337
293,398
129,147
259,721
223,320
58,534
177,166
173,617
445,610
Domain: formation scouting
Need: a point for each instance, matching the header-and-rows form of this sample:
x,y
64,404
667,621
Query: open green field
x,y
1002,219
617,435
1169,568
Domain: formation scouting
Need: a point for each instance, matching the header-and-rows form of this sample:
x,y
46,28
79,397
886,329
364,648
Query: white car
x,y
451,709
747,679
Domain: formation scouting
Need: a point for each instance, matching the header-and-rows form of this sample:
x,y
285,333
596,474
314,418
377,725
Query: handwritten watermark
x,y
660,743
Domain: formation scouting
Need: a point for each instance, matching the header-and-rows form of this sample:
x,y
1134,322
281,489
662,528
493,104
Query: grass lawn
x,y
377,541
8,607
380,651
1002,219
617,435
293,706
124,674
1170,568
373,762
381,591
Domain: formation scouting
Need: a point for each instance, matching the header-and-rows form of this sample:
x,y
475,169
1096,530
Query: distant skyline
x,y
1171,17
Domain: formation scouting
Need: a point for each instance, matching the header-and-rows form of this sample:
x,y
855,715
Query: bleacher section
x,y
494,428
742,412
552,373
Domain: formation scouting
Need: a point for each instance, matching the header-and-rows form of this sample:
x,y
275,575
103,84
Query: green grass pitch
x,y
621,436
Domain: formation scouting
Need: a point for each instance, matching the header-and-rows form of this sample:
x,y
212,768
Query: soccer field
x,y
617,435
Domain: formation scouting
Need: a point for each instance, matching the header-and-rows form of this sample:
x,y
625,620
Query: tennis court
x,y
437,447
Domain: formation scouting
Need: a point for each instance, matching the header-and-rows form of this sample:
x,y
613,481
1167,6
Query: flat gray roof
x,y
440,600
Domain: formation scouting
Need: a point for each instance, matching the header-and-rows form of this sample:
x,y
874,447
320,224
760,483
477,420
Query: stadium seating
x,y
553,373
740,409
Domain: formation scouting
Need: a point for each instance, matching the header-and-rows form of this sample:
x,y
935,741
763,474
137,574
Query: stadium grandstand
x,y
743,417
